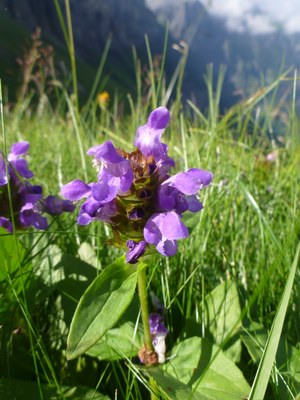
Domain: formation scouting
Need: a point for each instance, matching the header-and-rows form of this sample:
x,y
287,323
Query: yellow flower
x,y
103,99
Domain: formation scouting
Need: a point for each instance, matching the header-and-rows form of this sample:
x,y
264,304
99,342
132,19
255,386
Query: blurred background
x,y
256,40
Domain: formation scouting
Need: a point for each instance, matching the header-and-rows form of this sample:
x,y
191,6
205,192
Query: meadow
x,y
231,294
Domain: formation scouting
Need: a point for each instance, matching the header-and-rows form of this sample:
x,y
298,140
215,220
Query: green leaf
x,y
266,363
287,372
101,306
124,340
118,343
222,318
27,390
172,388
11,254
198,363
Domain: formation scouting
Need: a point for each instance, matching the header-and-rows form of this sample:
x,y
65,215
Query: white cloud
x,y
257,16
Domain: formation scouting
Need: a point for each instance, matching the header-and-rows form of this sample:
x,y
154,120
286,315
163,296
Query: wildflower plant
x,y
28,203
135,194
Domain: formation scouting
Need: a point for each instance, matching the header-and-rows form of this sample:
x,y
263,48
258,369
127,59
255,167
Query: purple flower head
x,y
28,203
136,250
163,230
136,196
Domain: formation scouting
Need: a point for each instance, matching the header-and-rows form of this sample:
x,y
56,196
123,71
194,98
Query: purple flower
x,y
114,169
75,190
178,193
92,210
28,203
158,332
148,139
135,194
3,176
6,224
15,158
191,181
163,230
136,250
99,204
17,165
55,206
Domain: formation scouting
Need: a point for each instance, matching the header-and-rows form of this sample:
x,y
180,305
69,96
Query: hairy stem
x,y
142,287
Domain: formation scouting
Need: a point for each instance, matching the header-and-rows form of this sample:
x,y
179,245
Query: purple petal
x,y
106,152
118,168
170,225
29,217
6,224
126,181
190,182
157,325
106,190
194,205
84,219
56,206
167,248
136,250
19,149
152,234
148,136
75,190
90,206
3,176
29,199
92,209
107,212
170,198
39,222
163,230
21,167
159,118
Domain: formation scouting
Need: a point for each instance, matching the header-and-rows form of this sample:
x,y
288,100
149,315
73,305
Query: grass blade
x,y
266,363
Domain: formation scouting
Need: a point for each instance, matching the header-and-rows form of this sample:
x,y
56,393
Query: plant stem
x,y
142,287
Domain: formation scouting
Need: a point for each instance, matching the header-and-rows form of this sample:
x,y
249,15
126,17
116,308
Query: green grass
x,y
247,234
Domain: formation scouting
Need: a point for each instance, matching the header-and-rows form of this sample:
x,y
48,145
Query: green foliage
x,y
26,390
204,367
269,353
222,313
285,379
101,306
124,340
11,254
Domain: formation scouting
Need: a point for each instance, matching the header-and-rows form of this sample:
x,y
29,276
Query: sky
x,y
257,16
